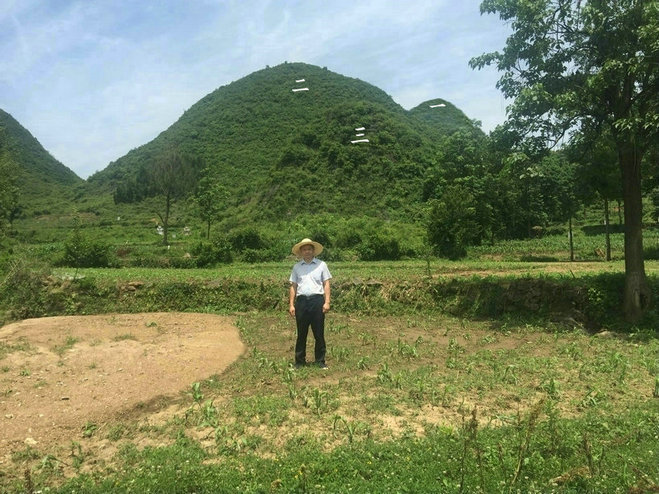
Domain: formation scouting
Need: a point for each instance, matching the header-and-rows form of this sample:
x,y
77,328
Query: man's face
x,y
307,252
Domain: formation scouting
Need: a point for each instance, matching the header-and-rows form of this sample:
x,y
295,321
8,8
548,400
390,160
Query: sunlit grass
x,y
490,408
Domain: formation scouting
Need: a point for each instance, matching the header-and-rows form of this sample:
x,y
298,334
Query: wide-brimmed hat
x,y
317,248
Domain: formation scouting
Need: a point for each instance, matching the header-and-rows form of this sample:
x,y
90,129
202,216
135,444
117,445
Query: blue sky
x,y
92,80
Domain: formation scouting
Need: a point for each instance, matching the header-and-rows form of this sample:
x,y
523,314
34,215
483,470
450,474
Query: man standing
x,y
309,300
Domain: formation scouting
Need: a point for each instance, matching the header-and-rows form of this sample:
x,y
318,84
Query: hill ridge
x,y
256,132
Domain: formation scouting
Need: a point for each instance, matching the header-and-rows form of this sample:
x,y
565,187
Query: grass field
x,y
420,402
414,401
413,404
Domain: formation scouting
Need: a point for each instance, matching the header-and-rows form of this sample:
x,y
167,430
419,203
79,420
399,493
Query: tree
x,y
211,198
464,160
598,174
576,66
172,177
453,225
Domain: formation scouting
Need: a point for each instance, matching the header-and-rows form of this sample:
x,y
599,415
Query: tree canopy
x,y
581,67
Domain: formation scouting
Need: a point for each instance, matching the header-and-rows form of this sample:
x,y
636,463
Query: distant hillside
x,y
280,140
40,176
444,116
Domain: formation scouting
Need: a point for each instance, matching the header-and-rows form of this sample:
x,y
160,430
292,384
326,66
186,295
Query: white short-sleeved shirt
x,y
310,277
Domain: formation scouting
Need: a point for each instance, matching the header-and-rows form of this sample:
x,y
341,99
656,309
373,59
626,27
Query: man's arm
x,y
291,298
326,288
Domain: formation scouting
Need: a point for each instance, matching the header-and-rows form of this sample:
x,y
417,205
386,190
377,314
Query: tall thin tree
x,y
172,177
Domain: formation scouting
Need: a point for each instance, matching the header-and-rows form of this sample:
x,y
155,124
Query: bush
x,y
380,246
80,251
452,225
211,253
22,291
246,238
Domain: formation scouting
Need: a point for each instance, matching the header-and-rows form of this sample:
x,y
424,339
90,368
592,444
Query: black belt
x,y
307,297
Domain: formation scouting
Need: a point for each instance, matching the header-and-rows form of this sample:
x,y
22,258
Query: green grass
x,y
21,346
444,405
415,400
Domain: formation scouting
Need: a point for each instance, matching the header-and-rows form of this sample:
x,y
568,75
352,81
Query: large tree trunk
x,y
637,292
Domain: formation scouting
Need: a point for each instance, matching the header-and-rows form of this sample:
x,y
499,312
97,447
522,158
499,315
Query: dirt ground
x,y
61,375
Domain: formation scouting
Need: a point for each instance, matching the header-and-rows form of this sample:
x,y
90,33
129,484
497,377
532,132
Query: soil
x,y
63,375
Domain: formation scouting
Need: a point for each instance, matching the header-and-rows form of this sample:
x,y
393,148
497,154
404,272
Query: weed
x,y
125,336
318,400
69,342
89,429
25,455
116,432
550,387
526,430
77,455
209,414
21,345
384,375
339,353
197,395
406,350
509,376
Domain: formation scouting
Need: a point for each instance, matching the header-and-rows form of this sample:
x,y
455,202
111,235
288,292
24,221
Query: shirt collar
x,y
313,261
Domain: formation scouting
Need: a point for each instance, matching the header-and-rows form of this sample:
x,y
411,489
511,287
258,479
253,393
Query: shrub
x,y
211,253
22,289
380,246
246,238
452,225
83,252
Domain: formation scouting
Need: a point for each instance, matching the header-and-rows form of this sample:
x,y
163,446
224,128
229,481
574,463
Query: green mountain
x,y
444,117
281,141
41,179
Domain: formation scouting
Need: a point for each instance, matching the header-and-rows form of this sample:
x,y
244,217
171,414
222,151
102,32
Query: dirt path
x,y
60,375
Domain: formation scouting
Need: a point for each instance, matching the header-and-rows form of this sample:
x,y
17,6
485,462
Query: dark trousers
x,y
309,312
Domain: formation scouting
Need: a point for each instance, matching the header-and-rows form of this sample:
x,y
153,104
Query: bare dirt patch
x,y
61,375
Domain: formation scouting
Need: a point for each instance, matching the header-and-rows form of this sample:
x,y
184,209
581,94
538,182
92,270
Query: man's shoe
x,y
323,366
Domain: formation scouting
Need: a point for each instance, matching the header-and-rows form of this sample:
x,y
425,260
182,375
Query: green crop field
x,y
410,404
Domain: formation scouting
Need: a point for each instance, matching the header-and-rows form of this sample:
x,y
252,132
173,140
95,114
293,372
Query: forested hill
x,y
39,175
280,140
444,117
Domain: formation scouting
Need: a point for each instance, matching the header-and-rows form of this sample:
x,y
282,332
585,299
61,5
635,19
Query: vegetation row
x,y
590,301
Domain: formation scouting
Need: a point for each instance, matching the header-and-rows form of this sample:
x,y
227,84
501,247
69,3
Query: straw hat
x,y
318,248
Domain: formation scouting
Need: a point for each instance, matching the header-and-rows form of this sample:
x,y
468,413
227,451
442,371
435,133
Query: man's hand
x,y
291,310
326,307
